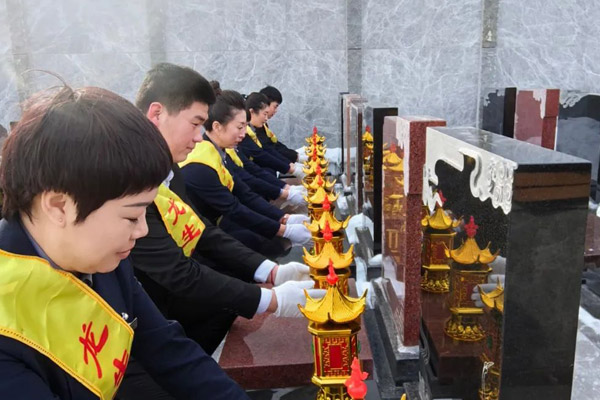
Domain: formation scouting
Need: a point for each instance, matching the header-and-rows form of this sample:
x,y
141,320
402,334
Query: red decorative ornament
x,y
315,131
332,277
442,198
326,205
471,228
393,147
368,128
318,169
327,233
357,389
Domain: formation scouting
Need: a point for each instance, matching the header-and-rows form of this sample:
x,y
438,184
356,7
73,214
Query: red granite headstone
x,y
536,116
404,228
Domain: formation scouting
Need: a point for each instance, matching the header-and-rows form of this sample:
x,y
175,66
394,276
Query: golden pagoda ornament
x,y
315,202
334,323
392,161
318,182
469,269
315,137
367,143
491,358
438,235
313,161
310,174
328,222
327,257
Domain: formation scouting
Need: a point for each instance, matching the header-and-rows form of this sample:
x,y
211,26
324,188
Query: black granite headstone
x,y
578,131
531,203
498,114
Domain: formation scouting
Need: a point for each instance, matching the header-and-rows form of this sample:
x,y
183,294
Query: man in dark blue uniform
x,y
267,137
72,311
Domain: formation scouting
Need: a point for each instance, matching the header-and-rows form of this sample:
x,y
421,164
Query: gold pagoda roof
x,y
470,253
367,136
319,197
320,139
439,220
391,159
493,299
333,307
329,254
335,225
399,181
314,169
319,182
312,163
309,150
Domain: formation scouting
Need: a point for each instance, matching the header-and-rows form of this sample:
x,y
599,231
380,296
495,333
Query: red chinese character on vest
x,y
121,366
190,232
91,346
178,211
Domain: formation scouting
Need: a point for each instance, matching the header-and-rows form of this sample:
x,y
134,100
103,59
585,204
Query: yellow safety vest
x,y
270,134
252,135
234,156
64,319
181,221
206,153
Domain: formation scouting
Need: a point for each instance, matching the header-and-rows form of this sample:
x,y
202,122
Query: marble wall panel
x,y
546,44
120,72
316,24
407,24
432,81
309,81
75,26
9,100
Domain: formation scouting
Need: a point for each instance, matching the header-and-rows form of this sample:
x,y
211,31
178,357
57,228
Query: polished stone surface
x,y
269,352
498,113
549,193
535,116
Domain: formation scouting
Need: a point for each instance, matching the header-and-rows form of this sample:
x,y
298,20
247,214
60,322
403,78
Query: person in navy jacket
x,y
219,194
268,138
256,108
77,174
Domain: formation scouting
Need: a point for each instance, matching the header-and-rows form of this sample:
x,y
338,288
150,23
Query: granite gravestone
x,y
578,131
531,204
498,112
535,116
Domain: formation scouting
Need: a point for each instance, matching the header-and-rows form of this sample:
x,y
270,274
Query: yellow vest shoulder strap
x,y
61,317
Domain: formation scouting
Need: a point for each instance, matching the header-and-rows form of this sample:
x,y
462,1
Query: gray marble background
x,y
424,56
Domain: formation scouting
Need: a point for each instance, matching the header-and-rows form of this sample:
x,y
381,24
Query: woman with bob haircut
x,y
77,174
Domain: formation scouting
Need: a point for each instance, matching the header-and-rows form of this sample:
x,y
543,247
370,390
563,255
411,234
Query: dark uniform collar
x,y
220,150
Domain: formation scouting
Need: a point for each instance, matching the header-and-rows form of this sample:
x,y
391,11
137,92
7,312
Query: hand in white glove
x,y
297,219
296,198
292,271
298,188
298,173
290,294
302,157
298,234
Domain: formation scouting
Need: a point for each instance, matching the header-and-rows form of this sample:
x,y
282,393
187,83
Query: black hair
x,y
224,108
272,94
175,87
88,143
255,101
216,86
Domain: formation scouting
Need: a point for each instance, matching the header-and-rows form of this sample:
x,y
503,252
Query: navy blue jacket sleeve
x,y
259,172
19,381
176,362
262,157
257,185
202,182
289,154
278,148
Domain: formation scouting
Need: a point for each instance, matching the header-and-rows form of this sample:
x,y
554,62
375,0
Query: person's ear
x,y
58,207
217,127
154,113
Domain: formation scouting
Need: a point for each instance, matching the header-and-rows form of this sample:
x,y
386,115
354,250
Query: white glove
x,y
298,188
292,271
298,173
290,294
302,157
296,198
298,234
297,219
